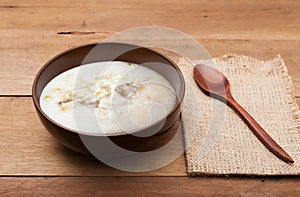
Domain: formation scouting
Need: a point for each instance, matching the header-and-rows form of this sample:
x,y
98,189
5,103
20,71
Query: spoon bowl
x,y
211,81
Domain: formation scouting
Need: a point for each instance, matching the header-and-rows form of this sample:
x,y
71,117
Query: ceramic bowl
x,y
109,52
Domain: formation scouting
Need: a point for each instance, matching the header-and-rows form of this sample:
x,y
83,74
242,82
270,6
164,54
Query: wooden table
x,y
32,31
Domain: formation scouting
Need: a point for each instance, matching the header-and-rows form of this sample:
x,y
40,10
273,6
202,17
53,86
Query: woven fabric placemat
x,y
218,142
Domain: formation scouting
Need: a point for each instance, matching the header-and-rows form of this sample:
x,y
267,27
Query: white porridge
x,y
108,97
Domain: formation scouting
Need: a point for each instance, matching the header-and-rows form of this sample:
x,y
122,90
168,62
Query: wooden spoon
x,y
214,83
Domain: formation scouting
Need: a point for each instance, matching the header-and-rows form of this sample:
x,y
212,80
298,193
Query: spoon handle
x,y
262,135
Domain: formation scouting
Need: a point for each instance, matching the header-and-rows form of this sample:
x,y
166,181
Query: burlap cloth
x,y
218,142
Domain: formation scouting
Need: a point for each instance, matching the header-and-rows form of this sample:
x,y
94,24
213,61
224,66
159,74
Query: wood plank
x,y
256,28
204,19
148,186
28,150
23,56
262,50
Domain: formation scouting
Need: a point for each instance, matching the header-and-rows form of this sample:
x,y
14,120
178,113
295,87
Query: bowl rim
x,y
41,70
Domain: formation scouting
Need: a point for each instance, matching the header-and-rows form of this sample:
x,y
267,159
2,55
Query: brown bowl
x,y
109,52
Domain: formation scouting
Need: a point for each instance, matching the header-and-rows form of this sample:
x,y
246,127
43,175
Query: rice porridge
x,y
108,97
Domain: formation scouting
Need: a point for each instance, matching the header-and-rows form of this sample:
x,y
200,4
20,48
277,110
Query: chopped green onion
x,y
58,89
46,97
129,84
71,95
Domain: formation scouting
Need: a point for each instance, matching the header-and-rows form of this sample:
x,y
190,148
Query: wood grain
x,y
202,19
16,76
148,186
28,149
34,31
